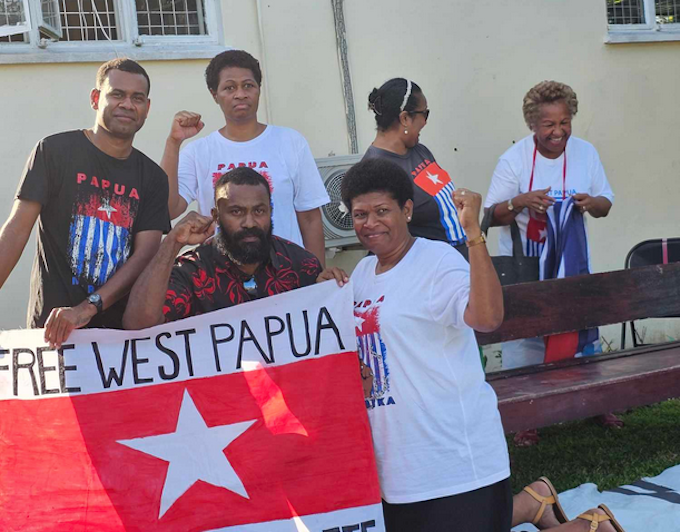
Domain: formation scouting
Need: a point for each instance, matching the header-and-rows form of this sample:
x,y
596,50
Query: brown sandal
x,y
596,519
553,499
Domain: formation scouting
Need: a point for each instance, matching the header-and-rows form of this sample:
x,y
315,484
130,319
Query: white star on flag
x,y
359,322
433,177
107,209
542,234
193,452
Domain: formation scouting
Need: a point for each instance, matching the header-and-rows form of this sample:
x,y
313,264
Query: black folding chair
x,y
646,253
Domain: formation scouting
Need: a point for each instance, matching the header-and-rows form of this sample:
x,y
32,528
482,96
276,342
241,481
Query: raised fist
x,y
185,125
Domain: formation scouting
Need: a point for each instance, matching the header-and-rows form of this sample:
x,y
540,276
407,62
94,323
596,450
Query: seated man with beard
x,y
243,261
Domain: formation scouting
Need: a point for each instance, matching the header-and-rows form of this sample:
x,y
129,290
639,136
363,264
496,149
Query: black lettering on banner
x,y
271,334
187,349
136,362
27,366
113,375
363,527
249,338
64,368
173,356
291,336
329,324
217,341
42,369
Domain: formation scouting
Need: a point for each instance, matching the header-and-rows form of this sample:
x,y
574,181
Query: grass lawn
x,y
574,453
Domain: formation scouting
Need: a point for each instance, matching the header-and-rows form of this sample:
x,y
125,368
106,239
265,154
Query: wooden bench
x,y
545,394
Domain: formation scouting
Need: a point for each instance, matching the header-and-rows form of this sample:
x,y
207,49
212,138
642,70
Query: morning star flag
x,y
246,419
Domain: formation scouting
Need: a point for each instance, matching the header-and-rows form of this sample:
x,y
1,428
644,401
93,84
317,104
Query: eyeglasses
x,y
425,113
250,286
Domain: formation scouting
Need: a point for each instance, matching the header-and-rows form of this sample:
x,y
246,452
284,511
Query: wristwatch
x,y
96,300
481,239
511,207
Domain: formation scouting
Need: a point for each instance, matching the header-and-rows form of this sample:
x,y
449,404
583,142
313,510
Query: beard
x,y
240,252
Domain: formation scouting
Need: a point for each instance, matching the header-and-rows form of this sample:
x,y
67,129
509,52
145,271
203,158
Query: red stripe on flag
x,y
62,468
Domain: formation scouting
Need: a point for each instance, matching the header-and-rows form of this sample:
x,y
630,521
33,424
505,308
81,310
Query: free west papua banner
x,y
246,419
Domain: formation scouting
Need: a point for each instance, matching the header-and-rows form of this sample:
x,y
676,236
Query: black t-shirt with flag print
x,y
434,215
93,205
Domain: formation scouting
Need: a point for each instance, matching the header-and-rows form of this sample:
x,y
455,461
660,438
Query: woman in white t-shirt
x,y
280,154
439,443
543,168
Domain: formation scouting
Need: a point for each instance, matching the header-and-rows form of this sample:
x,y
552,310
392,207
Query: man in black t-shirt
x,y
101,207
244,261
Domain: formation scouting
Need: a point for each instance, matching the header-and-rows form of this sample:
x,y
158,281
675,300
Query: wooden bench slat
x,y
587,301
575,391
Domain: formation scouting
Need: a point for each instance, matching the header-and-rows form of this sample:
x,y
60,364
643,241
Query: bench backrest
x,y
587,301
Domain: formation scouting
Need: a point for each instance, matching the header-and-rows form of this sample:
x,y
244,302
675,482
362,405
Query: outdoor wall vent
x,y
337,223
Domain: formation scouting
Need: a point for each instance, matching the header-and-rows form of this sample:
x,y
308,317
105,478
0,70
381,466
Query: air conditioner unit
x,y
338,228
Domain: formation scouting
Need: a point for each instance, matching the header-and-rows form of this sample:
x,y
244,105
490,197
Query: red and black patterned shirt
x,y
204,279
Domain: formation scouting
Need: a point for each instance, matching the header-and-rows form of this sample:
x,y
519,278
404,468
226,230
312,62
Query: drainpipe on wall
x,y
348,93
263,67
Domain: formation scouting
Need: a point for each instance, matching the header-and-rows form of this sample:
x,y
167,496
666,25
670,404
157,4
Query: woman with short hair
x,y
547,166
280,154
439,443
546,173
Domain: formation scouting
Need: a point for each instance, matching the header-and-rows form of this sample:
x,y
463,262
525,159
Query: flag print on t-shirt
x,y
100,238
372,351
436,181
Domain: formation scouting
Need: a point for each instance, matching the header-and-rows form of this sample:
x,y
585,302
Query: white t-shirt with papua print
x,y
280,154
512,176
436,427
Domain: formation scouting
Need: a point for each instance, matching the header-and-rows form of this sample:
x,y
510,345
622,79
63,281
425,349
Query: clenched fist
x,y
193,229
185,125
468,204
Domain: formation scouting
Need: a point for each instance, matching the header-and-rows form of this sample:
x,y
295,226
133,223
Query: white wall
x,y
474,61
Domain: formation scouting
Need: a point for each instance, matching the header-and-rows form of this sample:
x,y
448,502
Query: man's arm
x,y
311,228
15,233
62,320
184,126
145,305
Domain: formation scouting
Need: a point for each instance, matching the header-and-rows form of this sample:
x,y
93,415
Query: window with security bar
x,y
668,11
643,20
171,17
642,12
626,11
88,20
135,23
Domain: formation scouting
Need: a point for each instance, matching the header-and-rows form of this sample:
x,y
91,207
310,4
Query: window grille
x,y
171,17
668,11
177,27
88,20
626,12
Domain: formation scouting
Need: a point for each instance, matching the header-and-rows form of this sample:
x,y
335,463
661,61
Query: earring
x,y
408,219
406,132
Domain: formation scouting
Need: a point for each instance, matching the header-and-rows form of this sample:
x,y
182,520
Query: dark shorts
x,y
487,509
